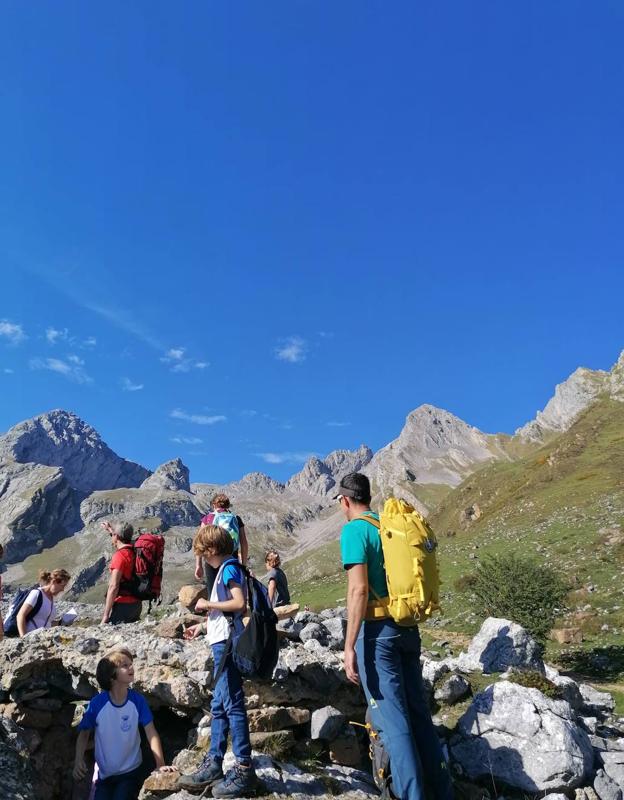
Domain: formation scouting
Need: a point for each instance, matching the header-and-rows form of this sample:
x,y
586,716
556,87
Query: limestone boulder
x,y
522,739
498,646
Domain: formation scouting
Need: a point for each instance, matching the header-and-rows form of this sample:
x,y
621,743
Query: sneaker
x,y
239,782
209,772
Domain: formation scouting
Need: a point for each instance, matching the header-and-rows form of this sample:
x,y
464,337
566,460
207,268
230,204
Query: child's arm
x,y
272,589
156,747
80,765
199,568
233,606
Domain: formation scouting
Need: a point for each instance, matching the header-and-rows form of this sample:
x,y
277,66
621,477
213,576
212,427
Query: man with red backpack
x,y
122,604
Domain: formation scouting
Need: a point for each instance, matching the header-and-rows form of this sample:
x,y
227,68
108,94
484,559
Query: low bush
x,y
519,589
532,679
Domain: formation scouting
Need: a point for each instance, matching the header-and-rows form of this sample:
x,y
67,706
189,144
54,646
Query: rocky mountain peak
x,y
573,396
61,439
434,447
320,476
171,476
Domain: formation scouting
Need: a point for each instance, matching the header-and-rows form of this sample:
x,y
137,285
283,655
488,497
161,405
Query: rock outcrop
x,y
161,500
523,739
173,476
571,397
499,646
37,508
61,439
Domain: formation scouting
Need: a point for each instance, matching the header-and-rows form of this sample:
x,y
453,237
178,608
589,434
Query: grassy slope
x,y
552,504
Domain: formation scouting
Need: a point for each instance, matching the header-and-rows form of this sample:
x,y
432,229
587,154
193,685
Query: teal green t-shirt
x,y
360,543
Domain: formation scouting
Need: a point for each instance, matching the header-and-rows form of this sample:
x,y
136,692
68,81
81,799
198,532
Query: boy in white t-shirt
x,y
115,714
228,597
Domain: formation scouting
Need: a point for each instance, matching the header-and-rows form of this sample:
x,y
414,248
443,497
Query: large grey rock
x,y
606,788
432,669
613,764
37,508
594,701
172,476
326,723
499,645
313,631
523,739
15,763
453,690
61,439
336,627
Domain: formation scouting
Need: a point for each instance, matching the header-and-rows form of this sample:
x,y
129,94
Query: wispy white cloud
x,y
12,331
121,319
248,412
8,371
197,419
128,386
54,335
178,361
334,424
90,341
293,349
187,440
285,457
72,368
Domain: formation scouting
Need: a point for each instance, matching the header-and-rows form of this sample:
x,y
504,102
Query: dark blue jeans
x,y
228,711
121,787
388,658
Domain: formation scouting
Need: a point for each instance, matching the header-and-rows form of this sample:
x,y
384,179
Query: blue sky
x,y
246,232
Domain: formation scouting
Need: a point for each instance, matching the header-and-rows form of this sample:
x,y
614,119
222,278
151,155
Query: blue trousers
x,y
388,658
228,711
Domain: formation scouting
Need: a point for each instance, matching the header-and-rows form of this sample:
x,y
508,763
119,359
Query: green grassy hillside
x,y
563,505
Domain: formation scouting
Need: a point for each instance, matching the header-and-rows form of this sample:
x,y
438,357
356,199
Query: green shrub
x,y
532,679
519,589
465,583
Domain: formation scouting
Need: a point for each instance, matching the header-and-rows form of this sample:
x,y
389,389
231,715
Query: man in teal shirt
x,y
385,657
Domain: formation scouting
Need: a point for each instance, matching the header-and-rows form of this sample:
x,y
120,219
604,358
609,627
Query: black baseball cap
x,y
346,492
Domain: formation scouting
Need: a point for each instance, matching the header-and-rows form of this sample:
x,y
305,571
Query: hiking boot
x,y
239,782
210,771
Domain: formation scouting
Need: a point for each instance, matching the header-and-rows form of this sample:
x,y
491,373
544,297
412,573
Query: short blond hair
x,y
106,670
212,540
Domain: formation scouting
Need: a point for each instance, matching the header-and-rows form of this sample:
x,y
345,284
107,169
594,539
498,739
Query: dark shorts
x,y
121,787
126,612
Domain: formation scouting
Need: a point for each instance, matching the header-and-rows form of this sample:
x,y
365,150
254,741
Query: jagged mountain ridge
x,y
572,397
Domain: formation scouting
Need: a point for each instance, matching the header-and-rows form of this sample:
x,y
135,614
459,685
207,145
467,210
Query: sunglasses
x,y
59,580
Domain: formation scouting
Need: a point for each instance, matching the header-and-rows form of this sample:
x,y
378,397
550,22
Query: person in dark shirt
x,y
277,580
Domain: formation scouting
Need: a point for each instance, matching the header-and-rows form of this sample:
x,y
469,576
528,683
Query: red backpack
x,y
147,571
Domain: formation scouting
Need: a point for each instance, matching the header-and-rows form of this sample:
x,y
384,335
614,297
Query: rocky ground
x,y
510,724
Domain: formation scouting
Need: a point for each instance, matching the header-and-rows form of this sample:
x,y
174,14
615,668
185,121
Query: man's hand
x,y
351,667
104,619
80,769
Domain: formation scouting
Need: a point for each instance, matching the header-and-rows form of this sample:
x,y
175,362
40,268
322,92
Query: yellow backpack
x,y
409,548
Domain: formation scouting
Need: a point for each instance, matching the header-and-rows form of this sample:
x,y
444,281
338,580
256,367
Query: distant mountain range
x,y
59,480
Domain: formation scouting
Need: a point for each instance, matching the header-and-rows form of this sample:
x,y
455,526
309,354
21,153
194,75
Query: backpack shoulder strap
x,y
374,522
38,603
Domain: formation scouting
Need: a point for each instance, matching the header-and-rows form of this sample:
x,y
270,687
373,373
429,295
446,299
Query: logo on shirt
x,y
125,723
429,545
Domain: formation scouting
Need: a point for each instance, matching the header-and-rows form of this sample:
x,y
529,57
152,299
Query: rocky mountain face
x,y
321,476
37,507
61,439
173,476
572,397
